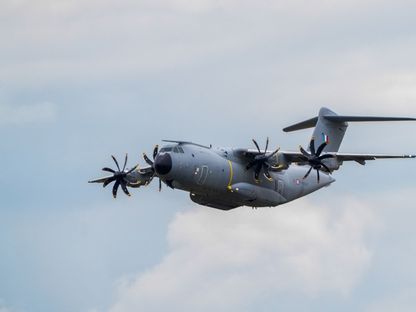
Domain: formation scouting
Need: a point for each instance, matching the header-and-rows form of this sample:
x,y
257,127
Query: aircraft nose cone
x,y
163,164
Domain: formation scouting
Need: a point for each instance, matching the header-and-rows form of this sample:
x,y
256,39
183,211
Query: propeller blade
x,y
257,171
108,181
267,174
155,151
317,172
326,156
326,168
108,170
124,178
320,149
160,184
312,146
115,160
124,187
125,163
115,188
100,180
132,169
267,145
305,153
307,173
147,159
255,143
274,153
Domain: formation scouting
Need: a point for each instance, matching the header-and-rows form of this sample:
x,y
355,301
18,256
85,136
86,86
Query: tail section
x,y
331,132
331,128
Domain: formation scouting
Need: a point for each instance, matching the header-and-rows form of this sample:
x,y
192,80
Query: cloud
x,y
27,114
227,259
81,41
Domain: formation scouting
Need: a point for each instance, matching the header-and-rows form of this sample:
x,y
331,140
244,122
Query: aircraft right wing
x,y
285,158
296,157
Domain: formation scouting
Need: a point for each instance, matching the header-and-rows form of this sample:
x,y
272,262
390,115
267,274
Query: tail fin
x,y
331,132
331,128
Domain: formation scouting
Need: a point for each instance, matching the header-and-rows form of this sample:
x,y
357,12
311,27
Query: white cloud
x,y
27,114
85,40
223,260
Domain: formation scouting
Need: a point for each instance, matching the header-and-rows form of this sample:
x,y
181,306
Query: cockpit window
x,y
166,149
175,149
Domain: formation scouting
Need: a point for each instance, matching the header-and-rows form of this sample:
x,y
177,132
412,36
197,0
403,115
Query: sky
x,y
82,80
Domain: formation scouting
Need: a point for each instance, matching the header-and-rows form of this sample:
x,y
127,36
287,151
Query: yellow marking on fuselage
x,y
230,181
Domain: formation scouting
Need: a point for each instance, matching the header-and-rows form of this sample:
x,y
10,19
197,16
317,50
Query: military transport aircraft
x,y
227,178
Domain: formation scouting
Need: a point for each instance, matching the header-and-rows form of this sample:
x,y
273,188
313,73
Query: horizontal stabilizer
x,y
310,123
366,118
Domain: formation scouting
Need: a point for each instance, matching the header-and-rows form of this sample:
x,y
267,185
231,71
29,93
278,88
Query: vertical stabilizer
x,y
331,132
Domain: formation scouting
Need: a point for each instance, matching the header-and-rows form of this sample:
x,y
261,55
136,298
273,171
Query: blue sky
x,y
81,80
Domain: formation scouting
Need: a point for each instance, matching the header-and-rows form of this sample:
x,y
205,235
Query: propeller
x,y
119,177
151,163
261,161
314,158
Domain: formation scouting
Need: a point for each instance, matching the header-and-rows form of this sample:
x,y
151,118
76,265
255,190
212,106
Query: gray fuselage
x,y
218,178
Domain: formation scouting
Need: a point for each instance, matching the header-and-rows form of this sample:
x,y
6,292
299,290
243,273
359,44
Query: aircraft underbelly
x,y
240,194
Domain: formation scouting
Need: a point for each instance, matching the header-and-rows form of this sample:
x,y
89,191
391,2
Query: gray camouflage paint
x,y
219,178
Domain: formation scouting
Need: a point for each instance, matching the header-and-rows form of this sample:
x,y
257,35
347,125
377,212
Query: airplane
x,y
227,178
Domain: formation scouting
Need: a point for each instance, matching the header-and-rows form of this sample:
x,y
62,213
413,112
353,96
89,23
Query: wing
x,y
296,157
361,158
